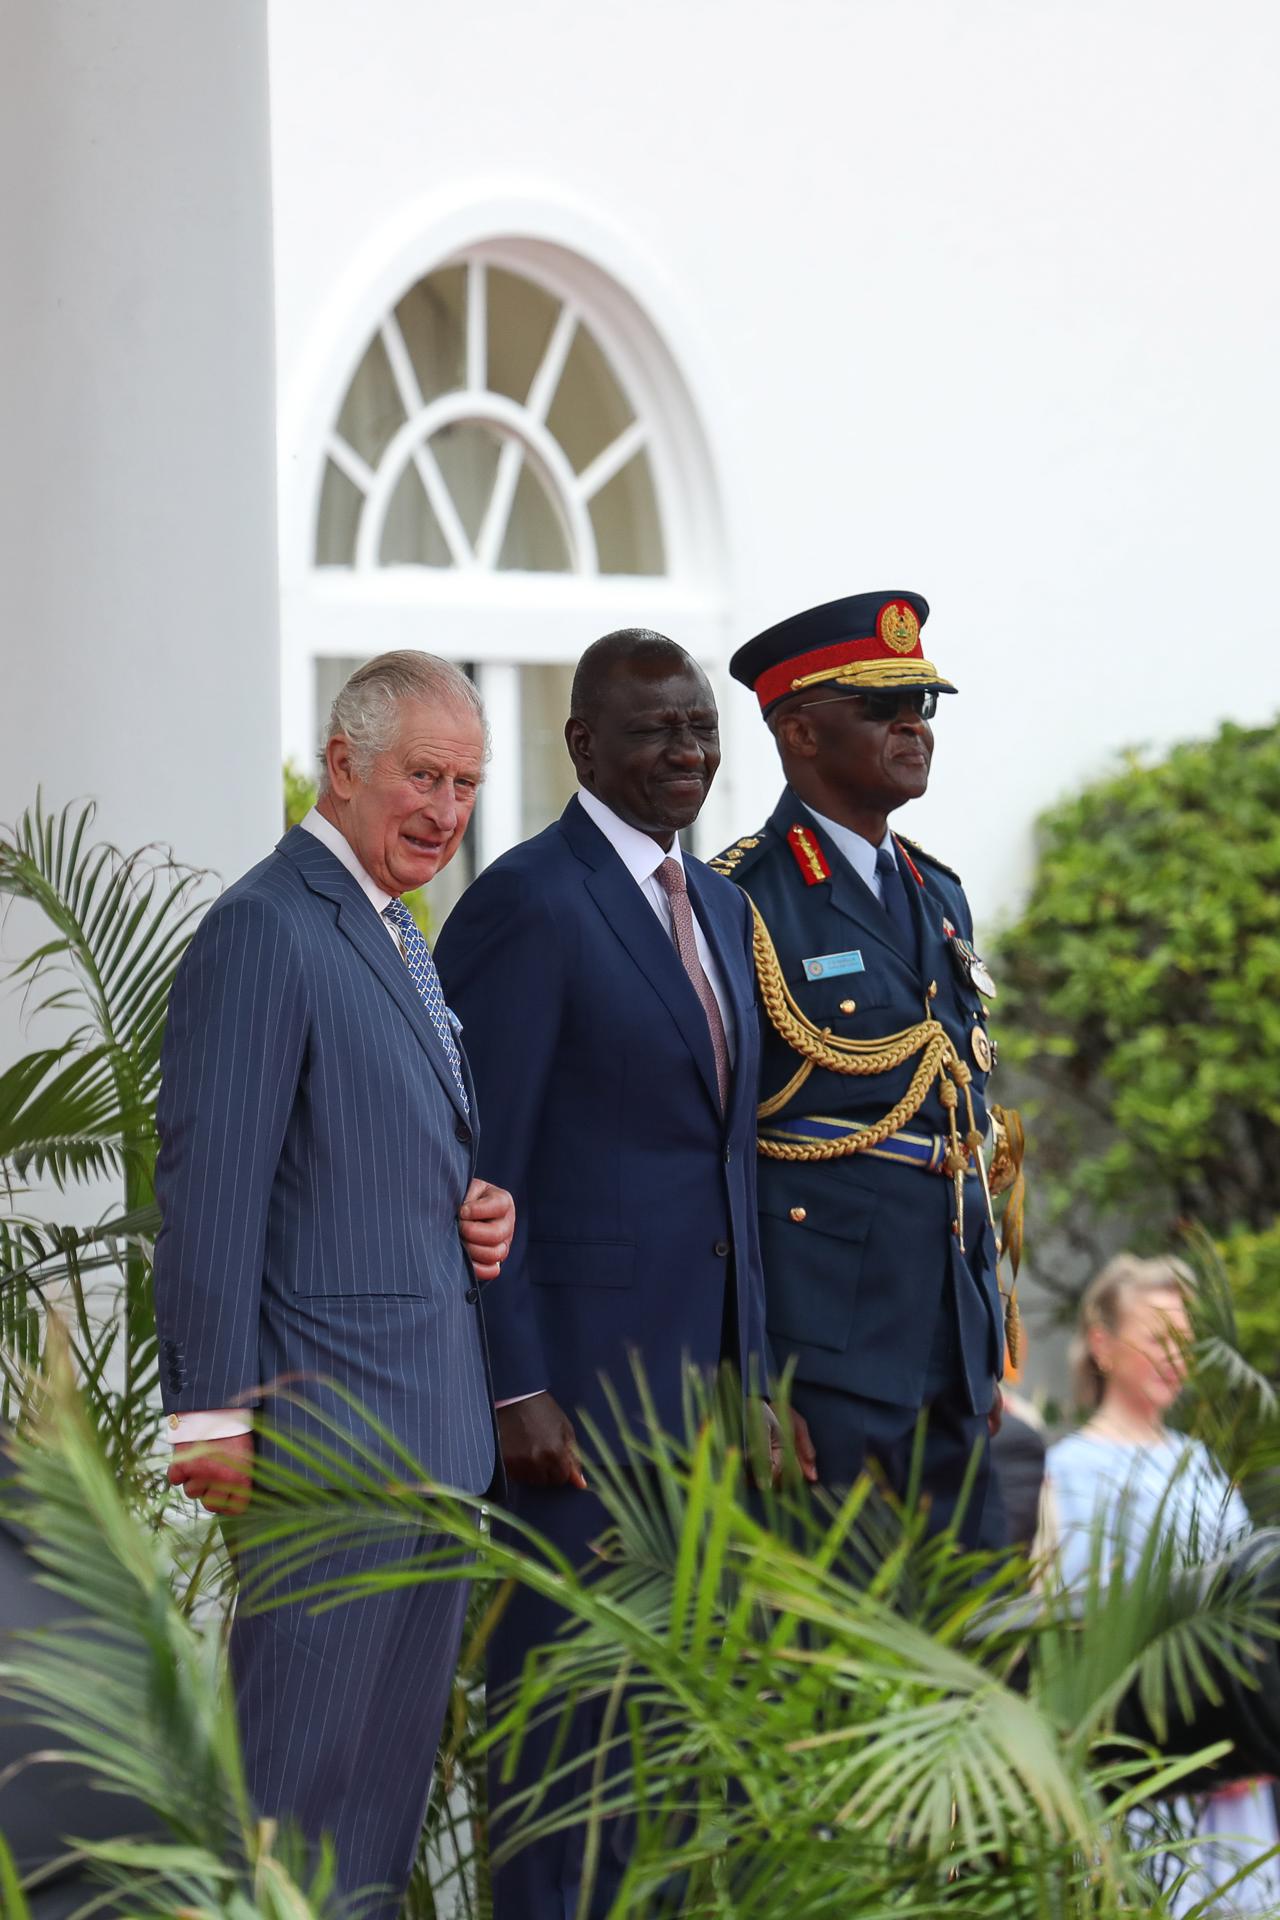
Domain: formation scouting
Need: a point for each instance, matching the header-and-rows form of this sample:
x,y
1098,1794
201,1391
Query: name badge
x,y
825,964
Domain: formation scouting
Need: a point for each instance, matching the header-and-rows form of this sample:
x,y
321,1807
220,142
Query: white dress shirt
x,y
642,857
860,853
220,1423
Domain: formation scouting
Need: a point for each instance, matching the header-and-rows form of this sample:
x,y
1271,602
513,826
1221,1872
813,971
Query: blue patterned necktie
x,y
893,898
422,970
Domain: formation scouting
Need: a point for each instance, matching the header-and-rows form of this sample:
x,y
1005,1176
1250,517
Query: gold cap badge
x,y
898,626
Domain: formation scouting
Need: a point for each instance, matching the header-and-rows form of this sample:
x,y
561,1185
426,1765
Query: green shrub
x,y
1252,1263
1140,989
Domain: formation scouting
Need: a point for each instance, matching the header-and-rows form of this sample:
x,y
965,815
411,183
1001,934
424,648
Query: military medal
x,y
971,969
980,1043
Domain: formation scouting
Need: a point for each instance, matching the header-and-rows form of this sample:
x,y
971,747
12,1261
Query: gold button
x,y
933,989
848,1006
797,1214
173,1419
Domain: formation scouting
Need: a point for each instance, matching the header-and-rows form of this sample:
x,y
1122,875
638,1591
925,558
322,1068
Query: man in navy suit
x,y
605,980
323,1225
879,1252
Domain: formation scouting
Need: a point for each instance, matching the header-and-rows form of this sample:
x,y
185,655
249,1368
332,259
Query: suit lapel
x,y
634,922
357,921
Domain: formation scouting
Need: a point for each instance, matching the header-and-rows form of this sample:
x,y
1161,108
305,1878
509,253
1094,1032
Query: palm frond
x,y
130,1688
120,923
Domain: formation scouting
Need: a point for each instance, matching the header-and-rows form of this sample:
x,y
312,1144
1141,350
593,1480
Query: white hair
x,y
366,710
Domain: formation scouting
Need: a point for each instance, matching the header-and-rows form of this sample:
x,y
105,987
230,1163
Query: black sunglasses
x,y
886,703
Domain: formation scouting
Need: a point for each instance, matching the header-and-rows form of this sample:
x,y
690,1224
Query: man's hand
x,y
487,1221
806,1452
538,1445
995,1413
764,1429
217,1473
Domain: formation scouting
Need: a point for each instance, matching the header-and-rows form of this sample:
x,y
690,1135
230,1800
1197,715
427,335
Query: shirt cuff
x,y
516,1398
220,1423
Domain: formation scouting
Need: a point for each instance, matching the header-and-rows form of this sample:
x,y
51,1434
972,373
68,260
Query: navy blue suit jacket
x,y
859,1256
635,1195
313,1156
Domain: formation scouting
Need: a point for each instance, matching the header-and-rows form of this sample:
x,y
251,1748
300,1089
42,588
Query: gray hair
x,y
366,709
1103,1304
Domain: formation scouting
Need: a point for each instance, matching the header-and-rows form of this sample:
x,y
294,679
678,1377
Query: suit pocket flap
x,y
582,1263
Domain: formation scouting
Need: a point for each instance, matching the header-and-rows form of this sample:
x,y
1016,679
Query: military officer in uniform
x,y
879,1251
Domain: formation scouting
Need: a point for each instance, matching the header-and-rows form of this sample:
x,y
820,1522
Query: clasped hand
x,y
487,1222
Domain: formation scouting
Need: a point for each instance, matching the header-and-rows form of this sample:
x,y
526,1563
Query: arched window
x,y
508,466
485,429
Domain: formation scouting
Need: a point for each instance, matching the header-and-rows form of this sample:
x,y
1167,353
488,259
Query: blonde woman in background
x,y
1125,1473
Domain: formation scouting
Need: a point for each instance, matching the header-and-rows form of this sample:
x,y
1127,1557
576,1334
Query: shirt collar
x,y
640,855
860,853
341,848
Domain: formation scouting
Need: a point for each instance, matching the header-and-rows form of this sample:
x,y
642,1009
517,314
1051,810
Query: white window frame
x,y
470,612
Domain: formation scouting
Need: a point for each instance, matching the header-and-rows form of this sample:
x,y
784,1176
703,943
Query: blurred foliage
x,y
300,796
804,1706
1141,986
1140,1005
1252,1260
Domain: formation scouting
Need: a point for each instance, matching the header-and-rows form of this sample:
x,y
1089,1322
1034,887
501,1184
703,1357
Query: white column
x,y
138,629
499,821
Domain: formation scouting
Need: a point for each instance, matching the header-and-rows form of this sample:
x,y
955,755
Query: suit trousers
x,y
542,1881
341,1711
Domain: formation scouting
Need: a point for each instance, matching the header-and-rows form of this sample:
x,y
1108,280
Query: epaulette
x,y
733,856
919,853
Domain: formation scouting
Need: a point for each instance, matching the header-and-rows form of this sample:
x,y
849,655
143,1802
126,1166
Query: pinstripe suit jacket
x,y
313,1156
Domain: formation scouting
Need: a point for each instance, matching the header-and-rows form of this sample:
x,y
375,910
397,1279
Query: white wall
x,y
137,488
138,651
979,300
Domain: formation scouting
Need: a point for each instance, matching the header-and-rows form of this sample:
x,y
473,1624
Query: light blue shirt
x,y
860,853
1101,1486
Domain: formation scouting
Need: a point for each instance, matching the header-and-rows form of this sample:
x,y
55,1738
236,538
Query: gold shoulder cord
x,y
938,1064
819,1047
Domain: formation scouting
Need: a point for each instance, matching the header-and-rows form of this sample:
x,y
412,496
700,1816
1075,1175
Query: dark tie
x,y
422,971
671,880
893,898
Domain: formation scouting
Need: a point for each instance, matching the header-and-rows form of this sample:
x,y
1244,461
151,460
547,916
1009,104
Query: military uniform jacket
x,y
860,1256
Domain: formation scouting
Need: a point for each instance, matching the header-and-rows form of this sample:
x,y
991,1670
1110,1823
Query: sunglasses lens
x,y
887,705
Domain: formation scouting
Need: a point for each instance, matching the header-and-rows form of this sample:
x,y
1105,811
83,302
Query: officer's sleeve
x,y
500,958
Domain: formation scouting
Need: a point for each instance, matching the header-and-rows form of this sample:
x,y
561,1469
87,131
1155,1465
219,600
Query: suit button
x,y
798,1214
463,1132
722,1249
848,1006
472,1295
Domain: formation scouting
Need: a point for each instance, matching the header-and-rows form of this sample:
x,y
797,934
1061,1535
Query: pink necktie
x,y
671,880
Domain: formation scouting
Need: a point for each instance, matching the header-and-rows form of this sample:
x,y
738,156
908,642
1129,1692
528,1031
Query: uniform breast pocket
x,y
812,1240
840,1000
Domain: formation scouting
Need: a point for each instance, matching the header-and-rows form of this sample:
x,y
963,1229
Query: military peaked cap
x,y
866,640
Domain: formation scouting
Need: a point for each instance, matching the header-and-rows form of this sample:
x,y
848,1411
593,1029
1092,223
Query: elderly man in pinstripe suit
x,y
322,1224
